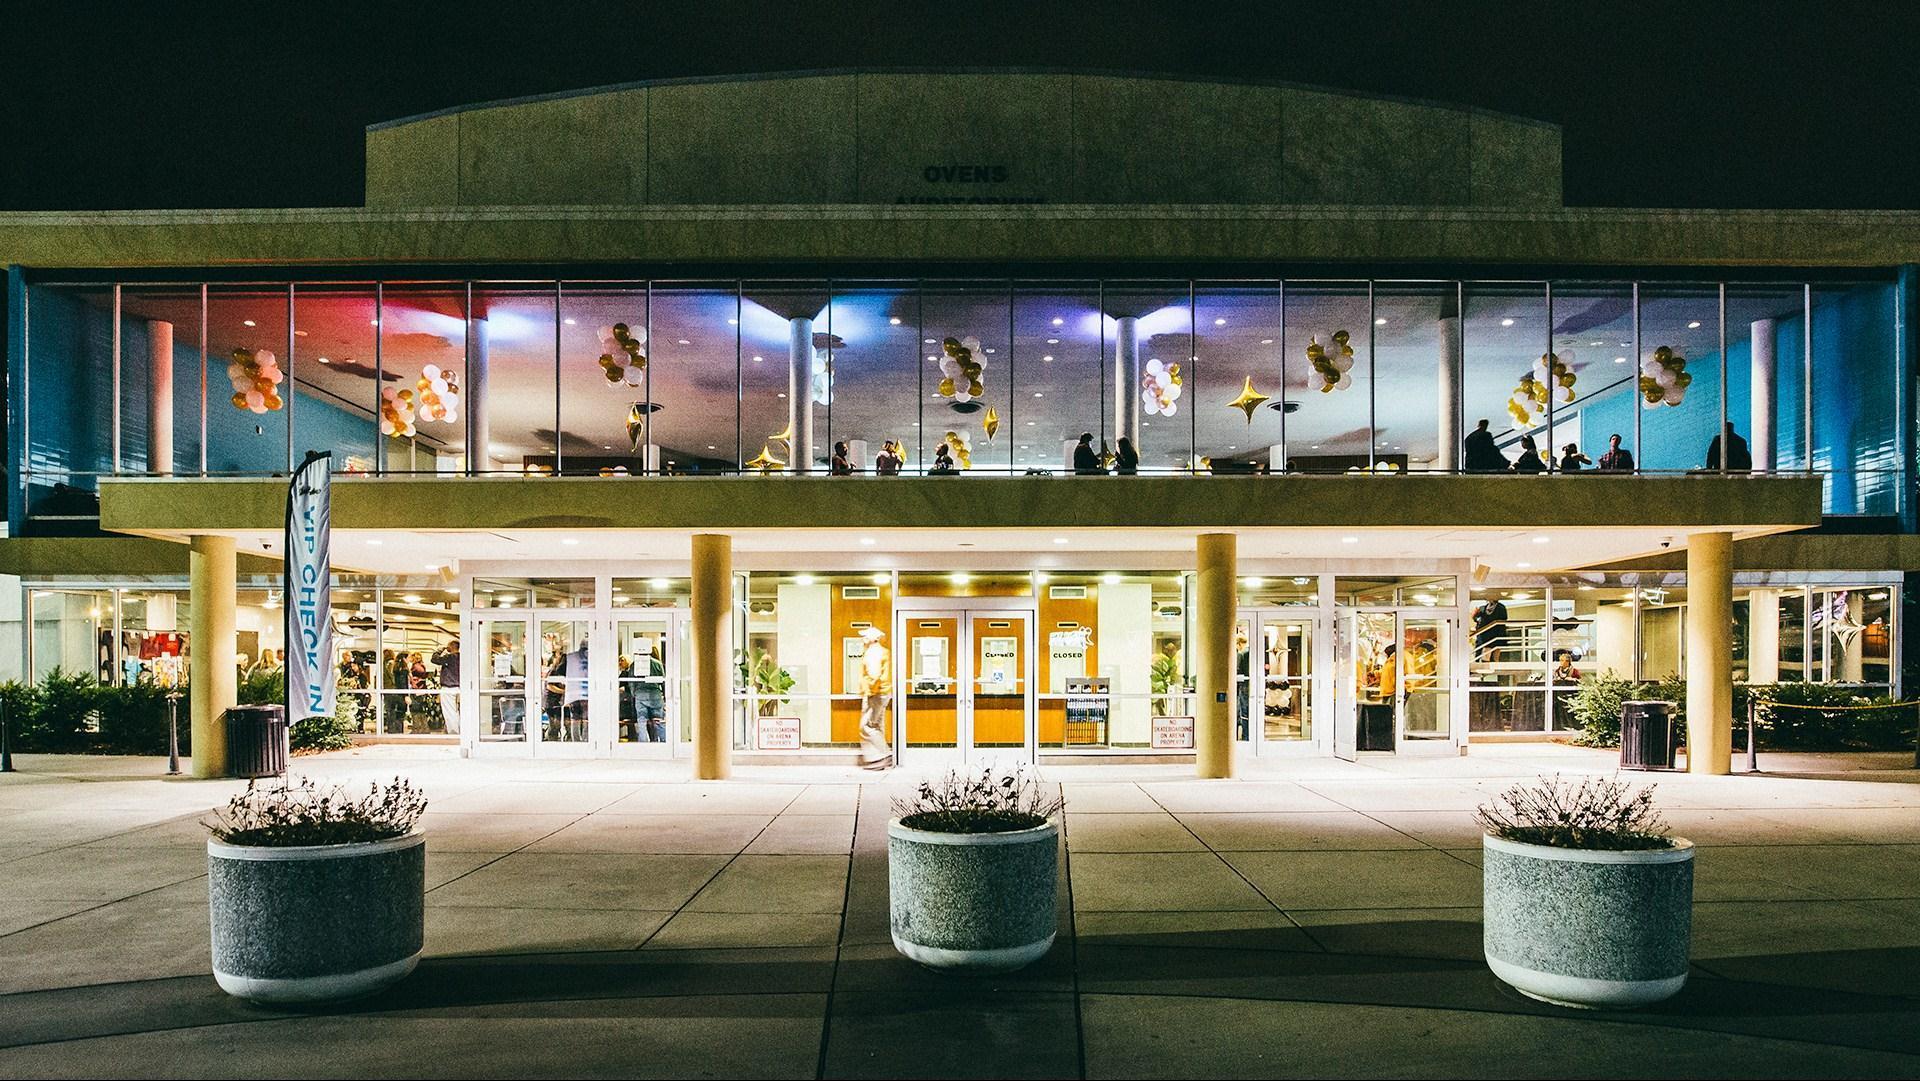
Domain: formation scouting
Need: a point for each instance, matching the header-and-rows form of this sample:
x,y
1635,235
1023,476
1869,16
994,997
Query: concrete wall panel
x,y
753,141
589,149
951,138
1135,140
415,164
1345,149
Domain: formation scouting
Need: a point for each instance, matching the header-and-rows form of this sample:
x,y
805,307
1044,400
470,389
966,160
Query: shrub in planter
x,y
64,717
22,704
133,720
315,895
1588,901
972,862
327,733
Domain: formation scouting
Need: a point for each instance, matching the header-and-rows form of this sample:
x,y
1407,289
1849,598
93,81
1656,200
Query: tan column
x,y
1710,653
210,663
1215,557
159,396
711,638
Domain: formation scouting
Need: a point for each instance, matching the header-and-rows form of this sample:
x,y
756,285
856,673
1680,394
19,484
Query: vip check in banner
x,y
308,579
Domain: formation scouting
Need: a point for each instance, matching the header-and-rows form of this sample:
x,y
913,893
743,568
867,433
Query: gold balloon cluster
x,y
962,453
396,412
256,380
1551,379
623,362
1663,378
1332,366
438,395
962,371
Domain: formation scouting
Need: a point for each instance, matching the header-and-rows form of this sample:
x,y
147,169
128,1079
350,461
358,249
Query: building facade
x,y
637,400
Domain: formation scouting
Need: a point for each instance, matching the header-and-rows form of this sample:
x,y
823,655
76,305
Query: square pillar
x,y
710,636
211,675
1710,653
1216,560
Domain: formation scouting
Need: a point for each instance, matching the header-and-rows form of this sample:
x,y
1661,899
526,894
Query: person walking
x,y
840,465
876,690
1127,460
1483,454
1617,459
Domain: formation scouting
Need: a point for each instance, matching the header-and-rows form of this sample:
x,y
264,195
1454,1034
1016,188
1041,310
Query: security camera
x,y
1666,542
266,545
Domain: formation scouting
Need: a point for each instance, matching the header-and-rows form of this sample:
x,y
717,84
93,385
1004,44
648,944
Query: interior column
x,y
211,670
1215,557
1710,653
1764,383
1763,636
1449,389
480,433
159,396
710,636
1126,379
800,393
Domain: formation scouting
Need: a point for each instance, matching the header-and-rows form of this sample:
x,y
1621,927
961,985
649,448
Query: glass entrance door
x,y
1274,697
648,682
502,679
966,691
1396,680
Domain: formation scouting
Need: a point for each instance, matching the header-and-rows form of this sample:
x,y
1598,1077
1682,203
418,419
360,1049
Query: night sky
x,y
1750,104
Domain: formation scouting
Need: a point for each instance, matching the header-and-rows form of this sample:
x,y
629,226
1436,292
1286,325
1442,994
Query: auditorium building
x,y
1028,415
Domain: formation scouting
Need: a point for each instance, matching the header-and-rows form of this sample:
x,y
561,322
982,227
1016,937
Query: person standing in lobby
x,y
1483,454
1617,459
1086,460
1739,458
448,661
876,690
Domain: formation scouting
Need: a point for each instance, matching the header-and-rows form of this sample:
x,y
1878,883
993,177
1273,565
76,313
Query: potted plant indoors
x,y
972,861
316,895
1588,901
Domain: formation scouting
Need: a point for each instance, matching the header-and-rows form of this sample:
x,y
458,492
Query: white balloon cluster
x,y
396,412
822,377
962,369
1663,378
1331,367
622,361
438,393
1551,379
256,378
1160,389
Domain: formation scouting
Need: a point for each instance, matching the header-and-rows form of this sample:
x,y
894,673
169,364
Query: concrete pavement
x,y
1316,918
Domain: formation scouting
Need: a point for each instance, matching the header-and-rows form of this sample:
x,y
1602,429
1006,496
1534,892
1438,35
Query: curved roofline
x,y
814,73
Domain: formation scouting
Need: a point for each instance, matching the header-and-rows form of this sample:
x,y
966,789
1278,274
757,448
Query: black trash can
x,y
1647,736
256,741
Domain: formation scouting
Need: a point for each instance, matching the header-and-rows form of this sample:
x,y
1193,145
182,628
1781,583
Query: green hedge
x,y
1596,705
76,714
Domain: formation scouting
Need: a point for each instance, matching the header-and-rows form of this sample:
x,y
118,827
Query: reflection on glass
x,y
503,680
565,684
423,335
1424,649
513,340
642,650
1503,332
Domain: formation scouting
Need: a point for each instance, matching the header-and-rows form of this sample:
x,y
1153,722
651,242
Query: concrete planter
x,y
976,901
1598,930
316,923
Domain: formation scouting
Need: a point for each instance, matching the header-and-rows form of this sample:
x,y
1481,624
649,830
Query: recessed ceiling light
x,y
1586,589
570,322
894,322
1695,325
1053,341
803,579
710,446
1619,360
659,583
930,341
1349,540
411,598
1057,320
375,541
684,341
1219,322
299,333
373,322
782,394
730,322
1038,394
1380,321
1059,540
1253,583
1543,539
246,322
569,540
1266,341
1030,424
324,360
1110,579
433,566
868,540
1506,322
960,578
1047,358
1523,565
758,359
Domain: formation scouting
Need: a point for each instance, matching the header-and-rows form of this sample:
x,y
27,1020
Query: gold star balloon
x,y
636,423
1248,401
991,422
765,462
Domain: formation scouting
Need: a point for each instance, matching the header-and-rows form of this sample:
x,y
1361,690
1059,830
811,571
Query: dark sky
x,y
204,104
